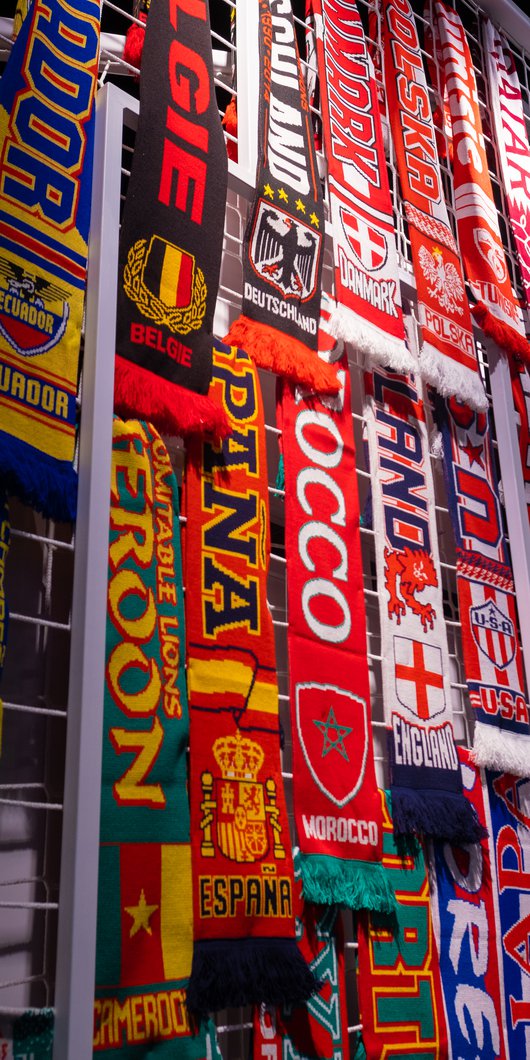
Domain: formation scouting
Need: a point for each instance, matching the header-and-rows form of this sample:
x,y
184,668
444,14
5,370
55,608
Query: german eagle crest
x,y
285,252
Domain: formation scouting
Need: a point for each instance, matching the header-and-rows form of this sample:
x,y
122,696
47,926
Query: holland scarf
x,y
284,238
46,144
245,950
425,774
172,231
447,356
4,612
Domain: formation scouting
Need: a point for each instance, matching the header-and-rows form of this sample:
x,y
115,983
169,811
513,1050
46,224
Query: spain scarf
x,y
245,950
46,144
284,238
447,356
4,611
172,231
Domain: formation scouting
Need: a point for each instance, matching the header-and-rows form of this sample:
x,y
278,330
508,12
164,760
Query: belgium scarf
x,y
447,358
46,144
245,950
284,238
426,783
172,232
145,909
4,612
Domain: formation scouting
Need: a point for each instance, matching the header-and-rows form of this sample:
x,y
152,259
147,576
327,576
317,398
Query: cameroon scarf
x,y
46,145
245,950
425,774
284,238
448,358
465,926
400,994
486,596
4,613
496,311
172,232
145,909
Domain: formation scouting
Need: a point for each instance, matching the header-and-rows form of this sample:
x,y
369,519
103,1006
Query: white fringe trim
x,y
452,379
369,340
495,748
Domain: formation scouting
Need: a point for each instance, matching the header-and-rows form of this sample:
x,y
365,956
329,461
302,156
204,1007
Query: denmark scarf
x,y
46,146
245,950
172,231
447,356
4,611
284,238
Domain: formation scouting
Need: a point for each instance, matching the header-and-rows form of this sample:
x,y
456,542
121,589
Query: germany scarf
x,y
46,144
245,950
172,231
4,613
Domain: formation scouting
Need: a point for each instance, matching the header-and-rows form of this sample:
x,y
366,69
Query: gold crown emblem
x,y
238,757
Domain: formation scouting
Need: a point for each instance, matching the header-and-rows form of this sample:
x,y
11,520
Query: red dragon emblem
x,y
407,573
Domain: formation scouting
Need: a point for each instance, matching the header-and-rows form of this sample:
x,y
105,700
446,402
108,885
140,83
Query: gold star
x,y
141,915
282,194
267,190
314,219
300,206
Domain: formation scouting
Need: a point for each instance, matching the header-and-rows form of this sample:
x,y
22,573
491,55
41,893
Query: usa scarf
x,y
46,144
447,356
284,238
172,231
4,612
245,950
425,774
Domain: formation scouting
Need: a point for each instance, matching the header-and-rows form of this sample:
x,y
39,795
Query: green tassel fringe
x,y
356,884
280,474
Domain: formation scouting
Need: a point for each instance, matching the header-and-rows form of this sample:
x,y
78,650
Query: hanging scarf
x,y
4,611
366,268
486,597
521,400
46,143
496,311
447,352
145,909
21,11
400,994
135,37
245,950
425,775
33,1035
284,238
172,232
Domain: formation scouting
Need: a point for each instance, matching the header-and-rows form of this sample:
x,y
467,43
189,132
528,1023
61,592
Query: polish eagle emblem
x,y
447,286
285,252
491,252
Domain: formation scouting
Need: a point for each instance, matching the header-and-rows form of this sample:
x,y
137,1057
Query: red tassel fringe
x,y
230,124
288,357
507,338
134,45
141,395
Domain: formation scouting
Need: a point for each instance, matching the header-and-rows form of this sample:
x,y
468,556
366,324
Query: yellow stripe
x,y
214,677
32,428
169,276
176,910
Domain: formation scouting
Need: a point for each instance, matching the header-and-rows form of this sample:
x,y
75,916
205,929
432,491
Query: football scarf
x,y
400,994
172,231
521,400
284,239
4,613
33,1035
496,311
463,912
134,40
486,597
425,774
46,144
145,910
447,356
245,950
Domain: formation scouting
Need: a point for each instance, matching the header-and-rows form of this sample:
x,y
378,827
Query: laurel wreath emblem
x,y
184,320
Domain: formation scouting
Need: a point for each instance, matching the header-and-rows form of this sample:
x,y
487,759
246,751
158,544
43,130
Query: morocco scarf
x,y
448,358
284,239
172,231
145,910
4,613
496,311
245,950
46,143
426,783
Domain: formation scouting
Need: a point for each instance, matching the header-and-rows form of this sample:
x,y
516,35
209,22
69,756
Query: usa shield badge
x,y
332,727
493,633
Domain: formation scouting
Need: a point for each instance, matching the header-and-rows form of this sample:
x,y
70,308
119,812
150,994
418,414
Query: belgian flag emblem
x,y
166,284
168,273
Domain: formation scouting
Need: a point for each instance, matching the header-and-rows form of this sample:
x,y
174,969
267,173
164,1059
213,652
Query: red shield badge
x,y
332,727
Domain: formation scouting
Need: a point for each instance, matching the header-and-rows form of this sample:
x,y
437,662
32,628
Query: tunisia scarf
x,y
46,144
284,238
4,612
245,950
172,231
425,774
447,357
496,311
400,993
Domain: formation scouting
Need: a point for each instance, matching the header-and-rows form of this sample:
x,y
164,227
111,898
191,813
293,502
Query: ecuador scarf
x,y
46,144
400,994
486,597
425,774
245,949
4,613
464,917
448,358
336,802
496,311
284,238
145,910
172,231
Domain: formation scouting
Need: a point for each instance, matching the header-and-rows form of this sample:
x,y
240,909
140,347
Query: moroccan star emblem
x,y
473,452
141,915
334,735
282,194
300,205
267,190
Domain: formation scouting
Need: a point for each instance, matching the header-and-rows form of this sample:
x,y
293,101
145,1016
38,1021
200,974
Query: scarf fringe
x,y
495,748
229,123
379,348
507,338
435,815
356,884
172,409
451,379
134,45
47,485
288,357
250,971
